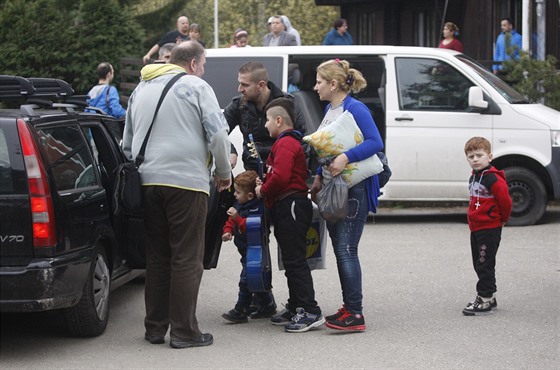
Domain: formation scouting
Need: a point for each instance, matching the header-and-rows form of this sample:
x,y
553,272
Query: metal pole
x,y
443,19
216,45
526,26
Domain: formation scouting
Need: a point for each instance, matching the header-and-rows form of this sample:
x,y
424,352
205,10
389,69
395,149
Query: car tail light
x,y
42,212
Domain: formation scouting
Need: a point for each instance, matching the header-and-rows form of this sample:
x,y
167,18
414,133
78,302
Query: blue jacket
x,y
334,38
371,145
506,52
106,97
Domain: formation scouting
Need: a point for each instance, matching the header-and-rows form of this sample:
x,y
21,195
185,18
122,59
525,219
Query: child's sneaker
x,y
264,312
303,321
341,311
479,307
235,316
348,321
283,317
493,303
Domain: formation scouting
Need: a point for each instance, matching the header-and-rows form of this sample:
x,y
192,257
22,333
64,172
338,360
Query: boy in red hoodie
x,y
285,195
489,210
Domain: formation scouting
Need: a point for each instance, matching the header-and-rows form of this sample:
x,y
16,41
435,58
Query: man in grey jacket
x,y
189,134
277,35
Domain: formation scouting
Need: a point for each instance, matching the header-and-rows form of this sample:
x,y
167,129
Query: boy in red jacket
x,y
489,210
285,195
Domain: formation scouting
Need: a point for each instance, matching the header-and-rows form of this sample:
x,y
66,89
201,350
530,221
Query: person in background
x,y
290,29
449,41
508,45
335,81
188,129
103,95
489,210
165,52
277,35
194,34
177,36
240,39
338,35
236,228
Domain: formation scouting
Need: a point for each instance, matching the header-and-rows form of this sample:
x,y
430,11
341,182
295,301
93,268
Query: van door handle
x,y
404,119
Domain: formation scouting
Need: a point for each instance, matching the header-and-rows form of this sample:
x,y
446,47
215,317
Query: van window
x,y
429,84
69,157
221,74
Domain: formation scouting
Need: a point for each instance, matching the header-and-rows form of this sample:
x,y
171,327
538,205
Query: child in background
x,y
489,210
236,225
285,195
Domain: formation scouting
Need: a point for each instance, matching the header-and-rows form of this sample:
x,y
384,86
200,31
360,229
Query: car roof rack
x,y
15,87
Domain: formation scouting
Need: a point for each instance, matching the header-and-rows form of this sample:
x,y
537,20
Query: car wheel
x,y
528,196
90,316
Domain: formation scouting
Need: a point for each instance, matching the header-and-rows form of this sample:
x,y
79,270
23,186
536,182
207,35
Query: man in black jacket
x,y
247,112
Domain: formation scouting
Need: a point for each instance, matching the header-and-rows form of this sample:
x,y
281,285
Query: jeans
x,y
345,236
245,297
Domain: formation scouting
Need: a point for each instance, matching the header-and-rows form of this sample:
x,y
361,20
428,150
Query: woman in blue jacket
x,y
103,95
335,81
338,35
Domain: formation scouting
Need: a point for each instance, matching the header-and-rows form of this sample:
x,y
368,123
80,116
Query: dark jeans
x,y
345,236
245,297
174,220
291,218
484,247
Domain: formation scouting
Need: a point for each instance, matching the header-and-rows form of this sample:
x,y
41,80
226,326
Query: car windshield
x,y
508,92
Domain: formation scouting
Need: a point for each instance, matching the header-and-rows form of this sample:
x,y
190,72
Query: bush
x,y
65,39
536,79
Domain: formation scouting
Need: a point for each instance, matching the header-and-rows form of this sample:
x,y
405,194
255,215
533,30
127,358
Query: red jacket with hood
x,y
489,200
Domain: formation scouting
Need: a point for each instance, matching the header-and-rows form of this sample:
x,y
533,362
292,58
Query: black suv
x,y
62,247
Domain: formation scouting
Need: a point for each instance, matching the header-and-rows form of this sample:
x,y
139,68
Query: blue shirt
x,y
506,50
334,38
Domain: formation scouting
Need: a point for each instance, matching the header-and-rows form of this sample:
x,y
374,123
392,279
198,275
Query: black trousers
x,y
484,247
291,218
174,220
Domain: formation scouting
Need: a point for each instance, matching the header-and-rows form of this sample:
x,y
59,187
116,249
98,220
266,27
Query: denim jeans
x,y
245,297
345,236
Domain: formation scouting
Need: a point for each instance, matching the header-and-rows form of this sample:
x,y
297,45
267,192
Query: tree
x,y
536,79
65,39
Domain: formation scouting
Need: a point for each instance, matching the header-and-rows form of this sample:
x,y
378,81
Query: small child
x,y
489,210
236,225
285,194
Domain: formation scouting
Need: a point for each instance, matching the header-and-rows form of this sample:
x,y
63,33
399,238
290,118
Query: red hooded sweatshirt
x,y
489,201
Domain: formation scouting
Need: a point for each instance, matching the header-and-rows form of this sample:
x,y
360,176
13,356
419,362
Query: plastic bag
x,y
332,200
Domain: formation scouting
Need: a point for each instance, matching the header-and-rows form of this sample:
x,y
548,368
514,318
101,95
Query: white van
x,y
427,103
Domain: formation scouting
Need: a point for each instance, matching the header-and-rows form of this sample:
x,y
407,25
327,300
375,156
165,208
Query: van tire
x,y
528,196
89,317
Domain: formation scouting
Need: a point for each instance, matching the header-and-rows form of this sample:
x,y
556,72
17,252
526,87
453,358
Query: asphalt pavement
x,y
417,277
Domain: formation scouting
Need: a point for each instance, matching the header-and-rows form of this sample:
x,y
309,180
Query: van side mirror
x,y
476,98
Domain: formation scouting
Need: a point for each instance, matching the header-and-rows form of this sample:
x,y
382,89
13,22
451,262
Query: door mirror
x,y
476,99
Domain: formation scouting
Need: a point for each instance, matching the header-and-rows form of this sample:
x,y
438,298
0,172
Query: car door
x,y
428,123
82,202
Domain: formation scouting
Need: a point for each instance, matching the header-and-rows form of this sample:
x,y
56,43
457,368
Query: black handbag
x,y
128,187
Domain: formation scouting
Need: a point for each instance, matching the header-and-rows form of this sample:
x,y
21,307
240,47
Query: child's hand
x,y
258,191
226,237
232,212
258,181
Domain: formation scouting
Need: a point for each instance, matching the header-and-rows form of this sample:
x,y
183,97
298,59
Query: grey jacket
x,y
286,39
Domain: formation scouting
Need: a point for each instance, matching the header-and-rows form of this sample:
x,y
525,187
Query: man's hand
x,y
233,160
317,185
222,184
232,212
226,237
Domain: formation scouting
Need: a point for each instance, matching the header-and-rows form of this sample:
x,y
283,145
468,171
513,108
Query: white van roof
x,y
335,51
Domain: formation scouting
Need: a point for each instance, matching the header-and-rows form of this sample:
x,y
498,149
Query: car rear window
x,y
6,183
69,157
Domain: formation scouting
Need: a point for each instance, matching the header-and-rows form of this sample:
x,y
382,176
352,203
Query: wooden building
x,y
419,23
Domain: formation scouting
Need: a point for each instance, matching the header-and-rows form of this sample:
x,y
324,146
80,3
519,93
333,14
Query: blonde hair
x,y
349,79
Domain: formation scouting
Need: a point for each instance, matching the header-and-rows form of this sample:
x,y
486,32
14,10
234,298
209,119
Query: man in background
x,y
176,36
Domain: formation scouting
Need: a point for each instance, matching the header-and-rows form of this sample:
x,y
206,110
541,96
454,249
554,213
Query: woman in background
x,y
450,31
